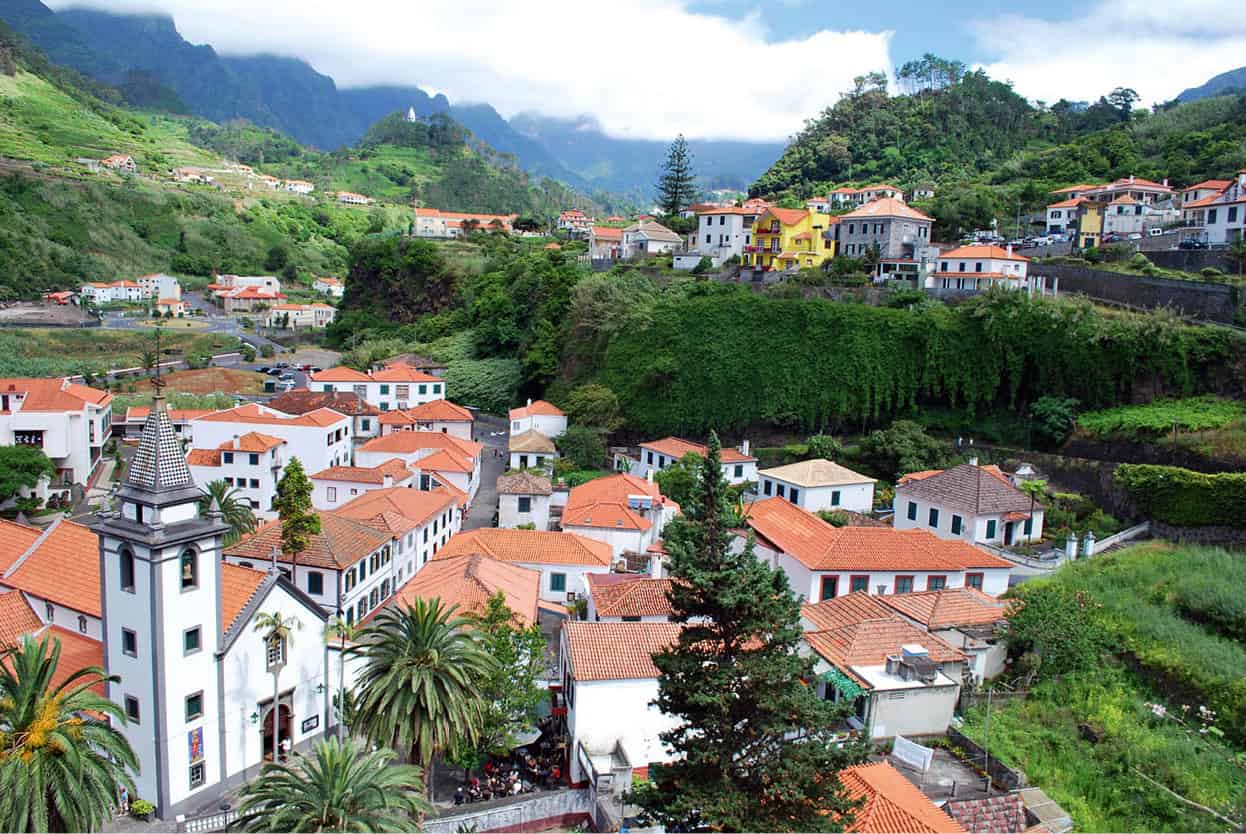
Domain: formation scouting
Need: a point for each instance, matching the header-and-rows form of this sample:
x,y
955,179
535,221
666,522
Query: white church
x,y
197,680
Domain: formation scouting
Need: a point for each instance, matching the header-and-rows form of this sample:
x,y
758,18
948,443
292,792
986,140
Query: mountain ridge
x,y
1225,82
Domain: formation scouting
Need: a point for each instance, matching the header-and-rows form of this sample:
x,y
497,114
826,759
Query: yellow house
x,y
790,239
1090,225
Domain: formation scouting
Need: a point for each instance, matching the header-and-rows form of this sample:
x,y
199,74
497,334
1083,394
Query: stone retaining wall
x,y
1198,299
531,813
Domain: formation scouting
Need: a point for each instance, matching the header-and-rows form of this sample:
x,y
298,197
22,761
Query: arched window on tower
x,y
189,569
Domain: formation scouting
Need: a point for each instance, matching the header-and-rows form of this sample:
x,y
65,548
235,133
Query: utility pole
x,y
987,747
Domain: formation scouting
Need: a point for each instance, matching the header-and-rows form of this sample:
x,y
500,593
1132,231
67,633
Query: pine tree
x,y
755,750
677,182
299,521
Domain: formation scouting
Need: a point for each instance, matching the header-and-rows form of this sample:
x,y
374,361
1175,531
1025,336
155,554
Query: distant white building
x,y
436,415
130,292
531,450
332,287
626,512
300,316
723,232
437,458
575,221
159,285
250,464
738,466
299,186
67,421
817,485
339,485
649,238
538,415
563,559
1220,217
628,598
396,386
978,267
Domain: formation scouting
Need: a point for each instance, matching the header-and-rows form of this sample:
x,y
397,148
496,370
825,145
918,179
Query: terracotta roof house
x,y
624,511
901,679
963,617
439,457
628,597
17,618
563,559
888,225
968,502
538,415
524,498
738,466
818,484
609,682
822,561
61,570
892,804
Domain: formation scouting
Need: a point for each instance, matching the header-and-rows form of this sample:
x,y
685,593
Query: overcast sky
x,y
747,69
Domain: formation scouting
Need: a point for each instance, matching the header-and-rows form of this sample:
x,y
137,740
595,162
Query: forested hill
x,y
949,126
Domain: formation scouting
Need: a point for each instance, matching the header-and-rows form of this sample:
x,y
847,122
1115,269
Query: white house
x,y
251,464
628,598
564,559
822,561
623,511
332,287
574,220
395,386
264,283
437,456
131,425
193,676
538,415
420,522
68,421
338,485
319,438
1219,218
523,498
437,415
434,223
159,285
531,450
723,232
738,466
978,267
605,243
963,618
295,316
350,198
1062,215
900,679
649,238
968,502
299,186
609,683
818,484
129,292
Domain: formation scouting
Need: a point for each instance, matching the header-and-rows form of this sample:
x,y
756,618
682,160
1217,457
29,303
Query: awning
x,y
843,684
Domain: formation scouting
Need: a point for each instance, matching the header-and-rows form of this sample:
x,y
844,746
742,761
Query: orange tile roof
x,y
677,447
1214,185
998,253
788,217
537,408
238,585
469,580
528,546
891,803
630,595
399,508
1138,182
340,374
394,467
975,489
949,607
616,651
886,207
401,372
57,394
77,652
302,401
846,610
820,546
15,539
252,441
607,233
441,411
62,567
524,483
1076,201
1082,187
258,415
340,543
603,502
138,413
446,461
17,618
203,457
406,442
870,642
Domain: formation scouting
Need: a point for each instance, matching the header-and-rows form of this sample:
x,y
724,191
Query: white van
x,y
1156,232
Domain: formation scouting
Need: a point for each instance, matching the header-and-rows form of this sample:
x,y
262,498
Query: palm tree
x,y
336,788
1032,488
344,632
62,763
235,509
419,689
278,633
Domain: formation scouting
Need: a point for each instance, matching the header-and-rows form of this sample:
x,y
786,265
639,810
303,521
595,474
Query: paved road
x,y
217,321
491,431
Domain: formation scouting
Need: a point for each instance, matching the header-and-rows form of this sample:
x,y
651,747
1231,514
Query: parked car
x,y
273,371
1135,236
264,369
1156,232
1191,243
1111,237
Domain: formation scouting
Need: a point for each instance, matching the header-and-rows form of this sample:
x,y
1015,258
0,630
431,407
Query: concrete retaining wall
x,y
1199,299
531,813
1000,773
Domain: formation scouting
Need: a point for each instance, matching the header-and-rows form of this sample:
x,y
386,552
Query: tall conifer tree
x,y
756,750
677,183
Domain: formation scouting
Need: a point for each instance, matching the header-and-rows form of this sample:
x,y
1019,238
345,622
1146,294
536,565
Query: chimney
x,y
529,401
234,443
1131,179
973,461
1009,250
389,481
1165,183
649,476
744,446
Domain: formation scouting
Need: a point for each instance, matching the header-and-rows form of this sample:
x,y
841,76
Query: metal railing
x,y
218,821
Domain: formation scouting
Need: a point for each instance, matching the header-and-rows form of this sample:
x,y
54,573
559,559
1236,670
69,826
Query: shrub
x,y
1211,272
142,808
1142,422
1185,498
267,350
583,445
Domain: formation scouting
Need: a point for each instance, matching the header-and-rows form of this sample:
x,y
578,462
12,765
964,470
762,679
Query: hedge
x,y
1184,498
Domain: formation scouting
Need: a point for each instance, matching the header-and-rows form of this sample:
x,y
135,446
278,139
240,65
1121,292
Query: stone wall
x,y
1000,774
529,813
1229,537
1198,299
1193,260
